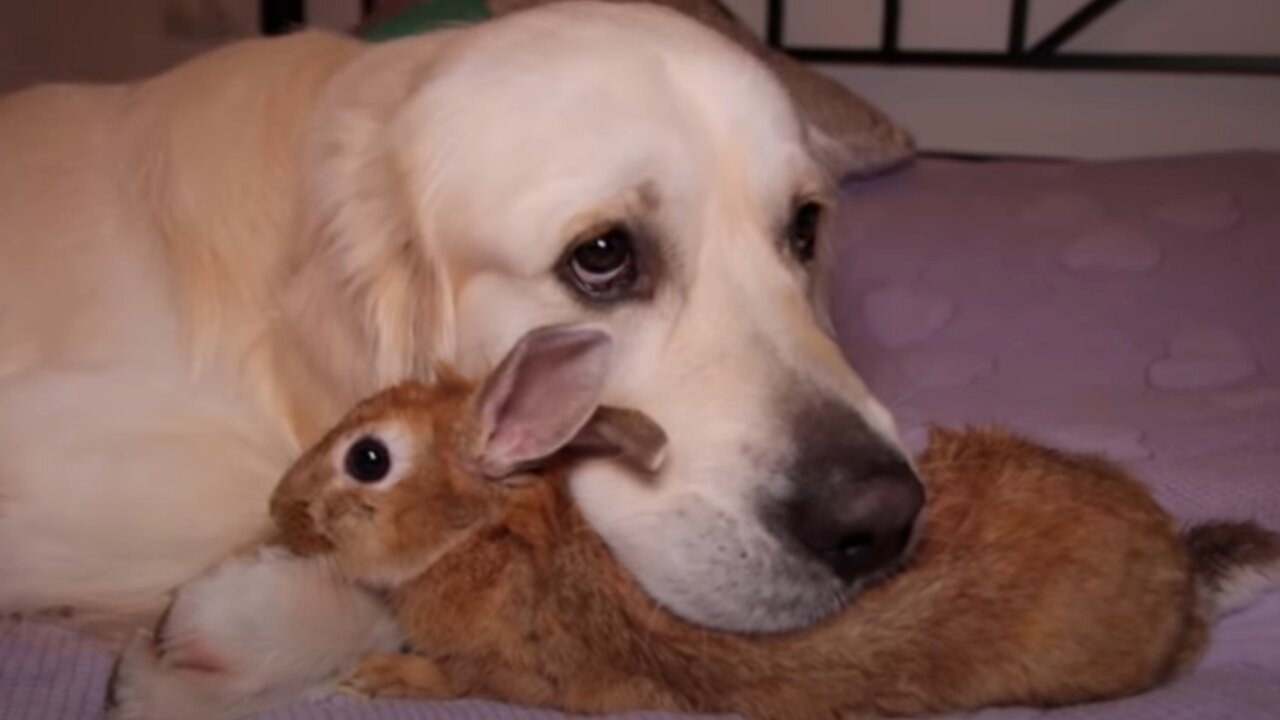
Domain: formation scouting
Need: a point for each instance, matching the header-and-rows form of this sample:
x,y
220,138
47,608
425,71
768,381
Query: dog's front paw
x,y
397,675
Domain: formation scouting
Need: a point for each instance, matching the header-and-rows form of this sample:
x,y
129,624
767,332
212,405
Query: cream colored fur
x,y
200,272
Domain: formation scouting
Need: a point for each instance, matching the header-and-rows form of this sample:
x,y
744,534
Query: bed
x,y
1128,308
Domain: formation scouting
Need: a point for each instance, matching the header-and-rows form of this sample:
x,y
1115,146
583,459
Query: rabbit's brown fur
x,y
1041,578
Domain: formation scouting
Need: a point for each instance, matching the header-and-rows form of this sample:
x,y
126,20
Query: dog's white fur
x,y
200,272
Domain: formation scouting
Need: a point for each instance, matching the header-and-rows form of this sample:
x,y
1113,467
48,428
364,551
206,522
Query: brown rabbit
x,y
1040,578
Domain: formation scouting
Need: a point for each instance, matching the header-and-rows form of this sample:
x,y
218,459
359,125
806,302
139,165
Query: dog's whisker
x,y
896,403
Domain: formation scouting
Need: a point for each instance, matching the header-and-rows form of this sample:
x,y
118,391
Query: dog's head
x,y
623,166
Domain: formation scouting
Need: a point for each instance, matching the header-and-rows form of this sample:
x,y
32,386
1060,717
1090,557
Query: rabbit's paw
x,y
397,675
144,687
127,675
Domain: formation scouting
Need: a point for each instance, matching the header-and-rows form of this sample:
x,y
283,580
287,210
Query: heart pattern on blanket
x,y
900,315
1111,247
1203,358
1210,212
1113,441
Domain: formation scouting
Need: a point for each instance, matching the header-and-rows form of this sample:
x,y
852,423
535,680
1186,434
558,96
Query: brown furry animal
x,y
1040,577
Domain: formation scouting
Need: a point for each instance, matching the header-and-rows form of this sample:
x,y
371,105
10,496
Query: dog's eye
x,y
368,460
603,266
802,234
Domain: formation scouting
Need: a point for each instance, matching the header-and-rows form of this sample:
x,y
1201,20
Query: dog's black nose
x,y
859,525
854,498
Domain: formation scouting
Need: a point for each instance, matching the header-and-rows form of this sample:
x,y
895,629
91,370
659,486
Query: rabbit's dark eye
x,y
368,460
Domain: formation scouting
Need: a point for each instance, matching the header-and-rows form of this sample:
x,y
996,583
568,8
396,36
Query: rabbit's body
x,y
1041,579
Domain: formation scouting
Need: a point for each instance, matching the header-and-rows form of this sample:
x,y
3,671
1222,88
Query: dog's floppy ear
x,y
540,397
363,288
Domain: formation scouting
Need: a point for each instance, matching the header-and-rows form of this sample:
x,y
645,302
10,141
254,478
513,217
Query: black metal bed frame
x,y
277,17
1020,53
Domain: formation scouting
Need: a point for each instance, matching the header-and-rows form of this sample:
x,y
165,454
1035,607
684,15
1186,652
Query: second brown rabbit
x,y
1040,578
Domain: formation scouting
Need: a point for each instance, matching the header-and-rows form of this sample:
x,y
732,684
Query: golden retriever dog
x,y
201,272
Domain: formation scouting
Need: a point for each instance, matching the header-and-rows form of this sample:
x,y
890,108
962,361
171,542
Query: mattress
x,y
1126,308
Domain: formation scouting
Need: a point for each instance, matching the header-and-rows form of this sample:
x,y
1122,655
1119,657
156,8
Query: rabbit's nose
x,y
859,525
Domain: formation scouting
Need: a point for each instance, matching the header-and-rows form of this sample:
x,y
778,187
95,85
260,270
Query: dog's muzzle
x,y
855,500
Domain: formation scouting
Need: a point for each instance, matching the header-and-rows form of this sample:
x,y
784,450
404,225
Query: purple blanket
x,y
1131,309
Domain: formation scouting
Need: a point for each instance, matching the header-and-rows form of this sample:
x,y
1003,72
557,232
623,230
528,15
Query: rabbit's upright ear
x,y
540,396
